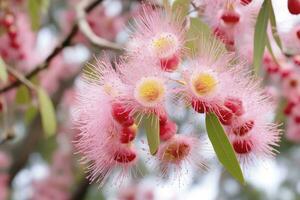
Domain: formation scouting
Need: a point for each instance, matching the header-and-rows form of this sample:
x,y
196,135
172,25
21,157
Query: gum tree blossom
x,y
114,97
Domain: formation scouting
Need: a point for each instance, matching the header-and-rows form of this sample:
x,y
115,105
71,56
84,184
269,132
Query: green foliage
x,y
3,71
47,112
222,147
198,30
151,125
180,8
260,34
23,95
30,114
35,9
269,47
274,26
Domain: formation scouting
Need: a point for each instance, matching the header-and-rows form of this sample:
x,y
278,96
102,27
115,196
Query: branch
x,y
81,190
66,42
88,32
20,77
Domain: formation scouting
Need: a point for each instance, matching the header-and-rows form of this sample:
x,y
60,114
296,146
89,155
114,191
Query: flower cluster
x,y
114,99
285,73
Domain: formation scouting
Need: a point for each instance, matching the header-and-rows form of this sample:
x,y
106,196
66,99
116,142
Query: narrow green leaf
x,y
3,71
30,114
47,112
23,95
260,34
269,47
151,126
33,7
180,8
222,147
274,26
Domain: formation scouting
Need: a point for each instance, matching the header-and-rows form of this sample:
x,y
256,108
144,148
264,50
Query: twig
x,y
81,190
20,77
88,32
66,42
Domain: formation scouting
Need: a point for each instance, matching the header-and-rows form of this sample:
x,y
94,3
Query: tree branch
x,y
88,32
66,42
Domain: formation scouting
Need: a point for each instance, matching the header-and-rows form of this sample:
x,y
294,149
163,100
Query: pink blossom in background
x,y
102,25
291,39
135,192
21,52
5,162
59,181
58,71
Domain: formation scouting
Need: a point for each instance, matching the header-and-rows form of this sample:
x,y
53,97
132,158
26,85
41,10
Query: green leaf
x,y
35,9
274,26
30,114
47,112
23,95
34,13
3,71
180,8
260,34
222,147
151,126
269,47
197,30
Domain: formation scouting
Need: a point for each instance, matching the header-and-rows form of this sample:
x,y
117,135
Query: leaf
x,y
274,26
3,71
47,112
269,47
260,34
151,126
180,8
222,147
23,95
34,13
35,9
30,114
198,30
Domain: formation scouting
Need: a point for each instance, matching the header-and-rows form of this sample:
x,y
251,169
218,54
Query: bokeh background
x,y
38,166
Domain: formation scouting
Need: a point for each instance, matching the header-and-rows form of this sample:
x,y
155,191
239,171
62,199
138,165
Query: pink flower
x,y
230,20
179,154
250,132
100,122
207,78
145,87
158,35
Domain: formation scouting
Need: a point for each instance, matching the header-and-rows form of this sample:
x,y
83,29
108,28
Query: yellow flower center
x,y
165,45
176,152
149,91
203,84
